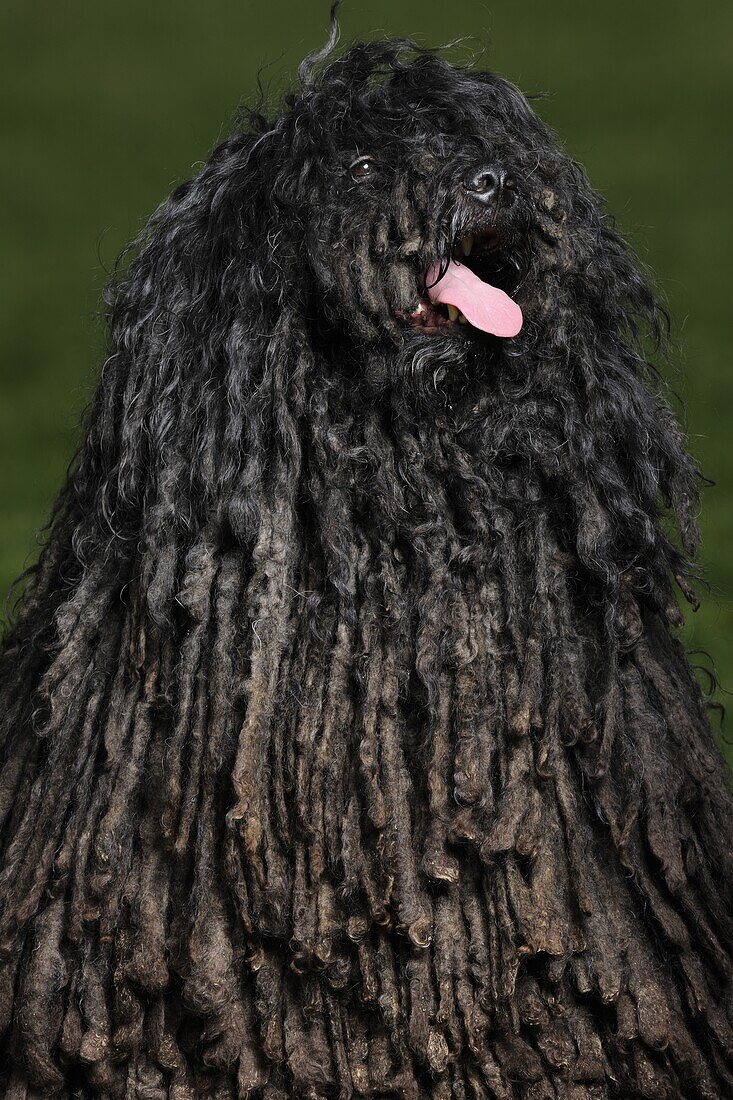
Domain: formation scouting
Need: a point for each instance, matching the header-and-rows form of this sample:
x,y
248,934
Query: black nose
x,y
487,184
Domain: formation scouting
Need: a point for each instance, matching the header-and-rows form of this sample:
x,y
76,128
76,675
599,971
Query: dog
x,y
348,748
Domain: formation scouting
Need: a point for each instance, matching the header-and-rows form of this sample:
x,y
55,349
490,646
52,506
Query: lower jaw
x,y
431,319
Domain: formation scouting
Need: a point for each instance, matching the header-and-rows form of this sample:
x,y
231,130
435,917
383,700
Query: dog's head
x,y
400,202
422,191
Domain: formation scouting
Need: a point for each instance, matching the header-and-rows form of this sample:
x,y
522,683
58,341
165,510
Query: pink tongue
x,y
484,305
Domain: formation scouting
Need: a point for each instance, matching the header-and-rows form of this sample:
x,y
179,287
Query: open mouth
x,y
473,288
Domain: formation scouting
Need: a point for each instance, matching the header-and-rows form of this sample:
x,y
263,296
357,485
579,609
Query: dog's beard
x,y
422,349
434,363
433,373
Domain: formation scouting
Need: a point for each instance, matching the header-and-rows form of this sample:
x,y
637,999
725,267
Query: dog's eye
x,y
363,168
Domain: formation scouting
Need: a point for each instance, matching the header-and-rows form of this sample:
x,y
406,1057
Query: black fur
x,y
347,748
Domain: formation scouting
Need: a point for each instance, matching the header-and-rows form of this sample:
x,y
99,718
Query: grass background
x,y
106,105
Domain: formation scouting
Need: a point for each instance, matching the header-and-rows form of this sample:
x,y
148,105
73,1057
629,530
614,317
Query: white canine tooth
x,y
452,313
462,320
467,244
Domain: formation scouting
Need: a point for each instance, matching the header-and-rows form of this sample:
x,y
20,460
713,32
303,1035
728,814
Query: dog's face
x,y
412,220
431,203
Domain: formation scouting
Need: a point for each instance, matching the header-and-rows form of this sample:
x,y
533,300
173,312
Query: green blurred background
x,y
106,105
